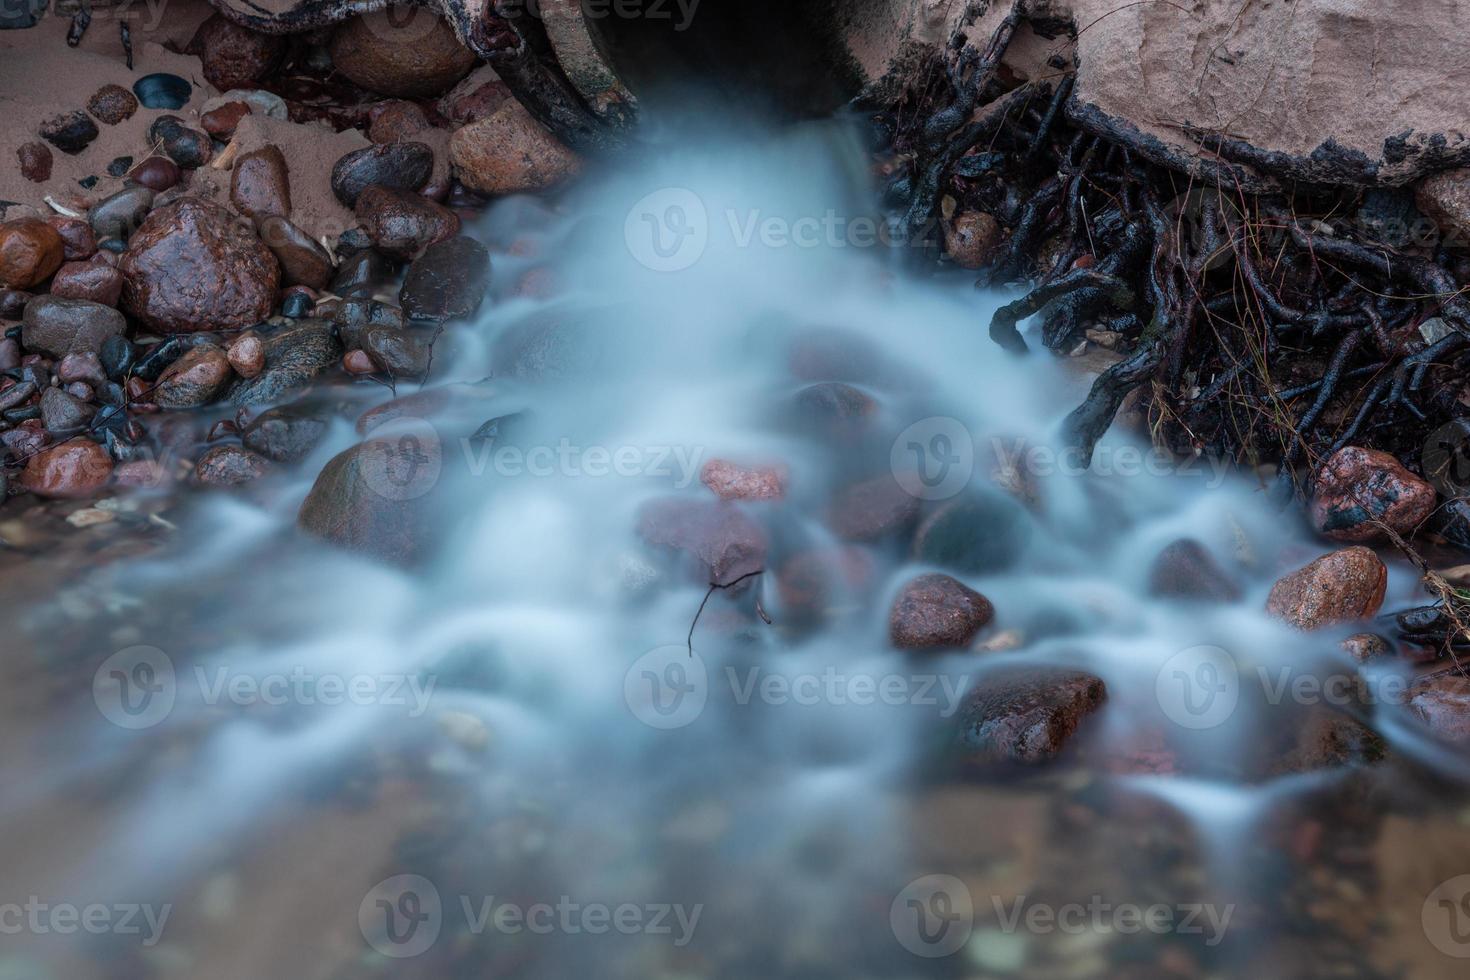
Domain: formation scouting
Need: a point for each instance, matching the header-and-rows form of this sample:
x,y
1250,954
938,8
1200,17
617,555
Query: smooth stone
x,y
293,357
402,166
63,414
194,380
57,327
285,435
448,281
229,466
120,215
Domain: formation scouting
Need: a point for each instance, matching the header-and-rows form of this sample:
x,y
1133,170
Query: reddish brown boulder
x,y
112,104
509,153
406,57
30,251
1339,587
195,379
1025,715
472,102
1443,705
90,281
78,240
725,544
731,481
156,173
222,121
233,56
303,261
35,161
873,509
260,185
935,611
192,267
247,355
402,223
75,468
229,466
972,238
1185,570
376,499
1357,489
397,120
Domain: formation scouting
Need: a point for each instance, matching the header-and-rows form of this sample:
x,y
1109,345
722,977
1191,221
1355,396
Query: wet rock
x,y
935,611
9,354
829,354
247,355
81,366
1339,587
363,273
233,56
401,223
731,481
190,267
156,174
873,509
78,241
979,532
547,349
285,435
162,90
1357,488
971,240
472,101
510,153
121,214
143,474
189,148
229,466
260,185
118,166
64,415
57,327
30,251
1442,704
1326,738
356,314
402,166
358,362
296,303
374,499
810,583
112,104
25,440
222,121
724,544
834,409
117,355
384,53
1364,647
1186,570
293,357
35,161
13,303
401,353
447,281
69,132
88,280
195,379
303,262
1025,715
76,468
397,120
18,394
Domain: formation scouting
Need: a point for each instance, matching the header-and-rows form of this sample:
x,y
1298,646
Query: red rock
x,y
233,56
1339,587
397,120
873,509
88,280
387,53
247,355
229,466
479,102
78,240
725,544
510,153
25,439
972,239
402,223
376,499
193,380
221,121
1443,705
141,473
935,611
303,261
1025,715
156,173
81,366
75,468
35,161
1185,570
731,481
191,267
30,252
1358,488
112,104
358,362
260,184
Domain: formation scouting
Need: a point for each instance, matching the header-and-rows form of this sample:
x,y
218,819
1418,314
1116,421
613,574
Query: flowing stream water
x,y
514,759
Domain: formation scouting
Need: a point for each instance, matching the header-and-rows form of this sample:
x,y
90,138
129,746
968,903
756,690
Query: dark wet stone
x,y
189,148
1186,570
1357,490
935,611
120,215
235,57
293,357
114,245
363,273
448,281
260,183
87,183
75,468
162,91
979,532
402,166
547,348
402,223
833,408
285,435
357,314
872,509
303,261
194,380
296,306
30,251
18,394
64,415
402,353
56,327
117,356
119,166
156,173
78,241
1025,715
229,466
157,358
69,132
13,303
375,499
722,541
